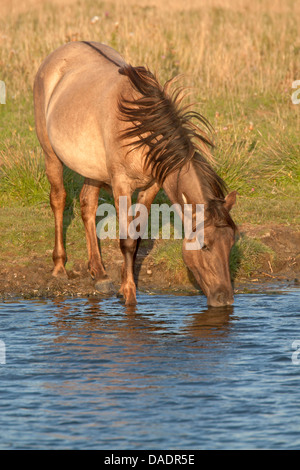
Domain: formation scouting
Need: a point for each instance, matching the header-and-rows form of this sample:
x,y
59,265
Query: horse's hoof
x,y
60,274
105,287
127,296
131,302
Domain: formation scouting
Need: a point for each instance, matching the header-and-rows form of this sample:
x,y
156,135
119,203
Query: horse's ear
x,y
184,198
230,200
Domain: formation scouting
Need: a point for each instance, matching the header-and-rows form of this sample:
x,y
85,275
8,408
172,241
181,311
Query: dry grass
x,y
228,45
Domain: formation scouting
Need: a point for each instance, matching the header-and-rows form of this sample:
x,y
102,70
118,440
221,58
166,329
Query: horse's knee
x,y
58,197
88,199
128,245
87,212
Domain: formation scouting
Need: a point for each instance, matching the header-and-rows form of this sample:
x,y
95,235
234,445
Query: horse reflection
x,y
102,323
210,323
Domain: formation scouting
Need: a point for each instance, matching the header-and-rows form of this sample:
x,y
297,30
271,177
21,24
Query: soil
x,y
32,278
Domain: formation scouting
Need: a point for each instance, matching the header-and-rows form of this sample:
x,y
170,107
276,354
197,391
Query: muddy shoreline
x,y
31,278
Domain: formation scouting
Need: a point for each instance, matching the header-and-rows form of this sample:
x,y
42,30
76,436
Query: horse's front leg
x,y
146,198
127,290
128,287
89,203
128,245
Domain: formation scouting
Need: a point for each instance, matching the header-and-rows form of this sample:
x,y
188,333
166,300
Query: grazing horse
x,y
115,125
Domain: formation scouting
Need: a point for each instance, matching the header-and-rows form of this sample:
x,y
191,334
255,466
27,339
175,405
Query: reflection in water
x,y
211,323
167,374
99,324
138,321
129,347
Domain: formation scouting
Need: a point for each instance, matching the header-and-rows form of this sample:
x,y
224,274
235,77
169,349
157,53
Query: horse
x,y
119,128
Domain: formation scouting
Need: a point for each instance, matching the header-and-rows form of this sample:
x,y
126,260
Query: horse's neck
x,y
185,186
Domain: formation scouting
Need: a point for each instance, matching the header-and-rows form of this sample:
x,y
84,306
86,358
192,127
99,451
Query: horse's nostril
x,y
221,298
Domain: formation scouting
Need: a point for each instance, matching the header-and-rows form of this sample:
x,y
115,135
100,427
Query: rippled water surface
x,y
169,374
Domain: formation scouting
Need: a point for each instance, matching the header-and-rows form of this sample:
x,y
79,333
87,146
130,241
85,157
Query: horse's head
x,y
210,264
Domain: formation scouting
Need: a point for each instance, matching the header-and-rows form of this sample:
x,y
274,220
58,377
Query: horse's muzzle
x,y
220,298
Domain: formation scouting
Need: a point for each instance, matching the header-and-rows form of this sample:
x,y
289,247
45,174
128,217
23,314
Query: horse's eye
x,y
205,248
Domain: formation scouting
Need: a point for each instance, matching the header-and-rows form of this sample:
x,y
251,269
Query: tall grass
x,y
24,181
239,57
23,177
228,46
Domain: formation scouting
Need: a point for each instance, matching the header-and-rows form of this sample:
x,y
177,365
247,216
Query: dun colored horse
x,y
115,125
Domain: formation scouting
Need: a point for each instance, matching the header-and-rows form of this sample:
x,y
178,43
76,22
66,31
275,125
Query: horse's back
x,y
76,92
72,57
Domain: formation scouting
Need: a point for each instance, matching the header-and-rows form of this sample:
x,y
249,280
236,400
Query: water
x,y
170,374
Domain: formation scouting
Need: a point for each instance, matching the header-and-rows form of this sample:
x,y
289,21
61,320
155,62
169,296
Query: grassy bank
x,y
239,57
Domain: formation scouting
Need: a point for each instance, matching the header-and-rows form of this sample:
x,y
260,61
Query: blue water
x,y
169,374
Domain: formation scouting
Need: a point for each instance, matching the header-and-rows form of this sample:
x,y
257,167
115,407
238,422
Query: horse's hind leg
x,y
89,203
54,171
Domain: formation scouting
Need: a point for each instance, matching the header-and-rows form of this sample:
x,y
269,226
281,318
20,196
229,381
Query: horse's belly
x,y
89,166
80,149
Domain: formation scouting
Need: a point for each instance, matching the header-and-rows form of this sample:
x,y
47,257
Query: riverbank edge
x,y
278,267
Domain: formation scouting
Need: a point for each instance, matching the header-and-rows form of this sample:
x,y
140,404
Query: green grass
x,y
240,60
264,166
170,254
23,178
245,257
17,123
